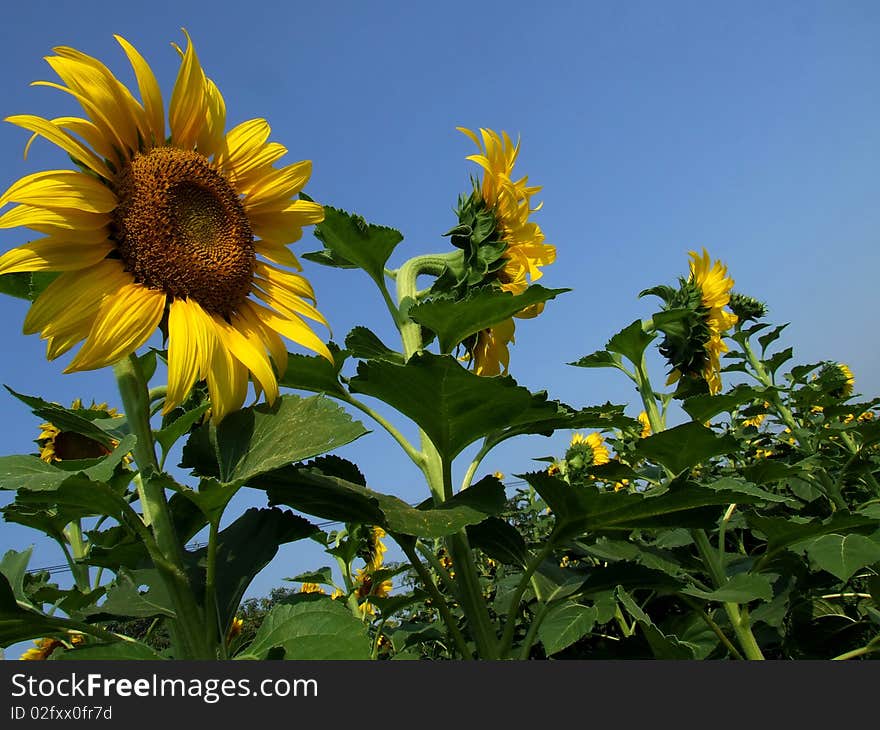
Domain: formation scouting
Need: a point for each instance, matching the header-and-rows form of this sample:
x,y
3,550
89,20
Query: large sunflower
x,y
187,232
525,252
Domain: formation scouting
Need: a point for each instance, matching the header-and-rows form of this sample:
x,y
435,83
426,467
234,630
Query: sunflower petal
x,y
54,254
58,136
212,138
270,337
124,322
188,110
188,344
60,190
88,226
151,94
294,329
285,226
226,376
247,347
273,192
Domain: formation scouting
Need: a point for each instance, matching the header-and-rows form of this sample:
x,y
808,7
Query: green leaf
x,y
240,556
26,285
331,497
350,241
684,446
630,342
80,420
782,533
770,337
169,435
581,509
363,344
19,624
565,624
599,359
453,406
118,651
705,407
732,486
314,373
776,361
663,646
324,576
14,567
454,320
124,597
741,588
843,555
261,438
500,540
312,628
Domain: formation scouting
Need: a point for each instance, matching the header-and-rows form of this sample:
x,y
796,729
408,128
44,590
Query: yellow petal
x,y
274,191
277,253
187,113
188,345
269,336
151,94
61,189
58,136
90,133
226,377
124,322
212,138
88,226
285,301
247,347
72,288
54,254
294,329
285,226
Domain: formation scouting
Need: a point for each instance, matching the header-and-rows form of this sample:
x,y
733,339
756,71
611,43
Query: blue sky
x,y
655,128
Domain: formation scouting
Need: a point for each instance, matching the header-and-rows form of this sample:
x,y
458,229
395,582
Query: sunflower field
x,y
732,511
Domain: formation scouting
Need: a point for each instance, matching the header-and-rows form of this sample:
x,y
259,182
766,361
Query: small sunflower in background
x,y
502,245
693,341
585,452
57,444
184,229
837,379
44,648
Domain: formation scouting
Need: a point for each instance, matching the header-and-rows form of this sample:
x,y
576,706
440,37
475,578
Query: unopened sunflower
x,y
693,343
502,245
184,229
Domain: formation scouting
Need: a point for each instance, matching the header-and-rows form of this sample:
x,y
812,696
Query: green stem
x,y
414,454
190,618
515,600
532,633
475,464
212,609
738,615
407,291
716,629
407,545
78,551
438,568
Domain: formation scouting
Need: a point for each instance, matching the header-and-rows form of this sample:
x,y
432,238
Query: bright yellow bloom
x,y
646,425
311,588
45,647
376,549
715,287
186,233
596,444
846,390
58,445
526,253
234,629
366,586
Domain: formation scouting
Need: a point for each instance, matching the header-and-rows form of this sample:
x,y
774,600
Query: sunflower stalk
x,y
189,617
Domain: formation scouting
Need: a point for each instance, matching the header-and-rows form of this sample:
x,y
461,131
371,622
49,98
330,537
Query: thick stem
x,y
212,609
516,598
190,619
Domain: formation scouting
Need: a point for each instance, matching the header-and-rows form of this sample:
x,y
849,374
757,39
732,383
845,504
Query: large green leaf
x,y
499,540
705,407
565,624
314,373
26,285
452,405
312,628
84,421
18,623
684,446
14,567
843,555
324,495
31,472
120,651
664,646
366,345
125,597
782,532
261,438
454,320
350,241
584,508
630,342
740,588
247,546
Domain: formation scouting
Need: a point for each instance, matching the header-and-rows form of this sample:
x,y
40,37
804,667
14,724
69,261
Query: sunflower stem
x,y
190,619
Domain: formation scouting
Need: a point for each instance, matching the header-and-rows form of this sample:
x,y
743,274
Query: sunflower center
x,y
180,227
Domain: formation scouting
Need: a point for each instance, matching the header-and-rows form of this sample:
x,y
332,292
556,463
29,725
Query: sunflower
x,y
695,350
44,647
185,232
591,448
838,379
521,241
646,425
375,549
311,588
56,444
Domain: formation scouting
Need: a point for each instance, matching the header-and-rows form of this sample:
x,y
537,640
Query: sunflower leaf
x,y
262,438
454,320
630,342
452,405
703,407
364,344
26,285
684,446
350,241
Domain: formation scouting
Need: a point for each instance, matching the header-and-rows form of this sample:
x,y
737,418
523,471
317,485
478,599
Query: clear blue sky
x,y
750,128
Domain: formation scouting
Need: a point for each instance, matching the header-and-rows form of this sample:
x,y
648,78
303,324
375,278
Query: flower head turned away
x,y
184,231
501,245
646,425
583,453
693,342
59,444
837,379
